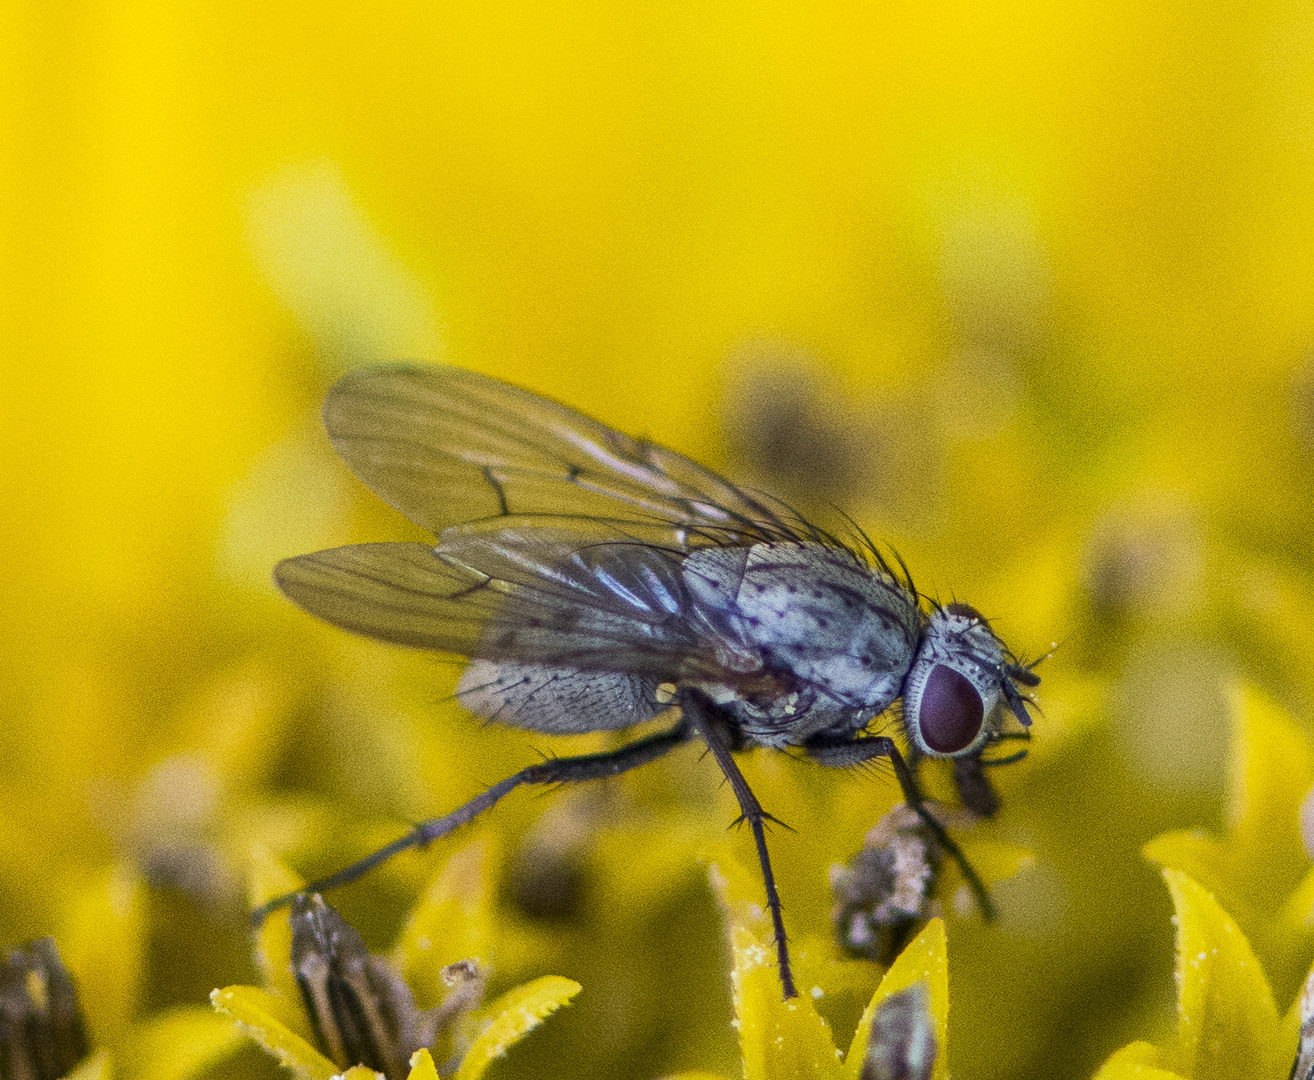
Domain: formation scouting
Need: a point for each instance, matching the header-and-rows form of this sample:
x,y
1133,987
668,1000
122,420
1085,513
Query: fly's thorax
x,y
954,693
816,639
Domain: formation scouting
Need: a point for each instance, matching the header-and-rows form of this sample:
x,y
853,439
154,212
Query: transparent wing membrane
x,y
445,446
610,609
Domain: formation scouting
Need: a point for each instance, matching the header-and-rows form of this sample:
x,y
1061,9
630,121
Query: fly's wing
x,y
562,541
616,608
444,446
394,592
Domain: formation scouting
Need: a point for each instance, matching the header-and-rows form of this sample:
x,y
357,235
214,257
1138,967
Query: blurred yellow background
x,y
1025,288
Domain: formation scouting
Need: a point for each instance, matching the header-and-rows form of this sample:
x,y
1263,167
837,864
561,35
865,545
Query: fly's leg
x,y
843,752
567,770
702,716
974,788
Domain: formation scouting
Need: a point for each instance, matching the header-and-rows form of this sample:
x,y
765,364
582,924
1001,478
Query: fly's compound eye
x,y
953,689
950,713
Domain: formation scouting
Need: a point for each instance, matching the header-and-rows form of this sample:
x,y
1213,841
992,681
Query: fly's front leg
x,y
974,788
565,770
845,752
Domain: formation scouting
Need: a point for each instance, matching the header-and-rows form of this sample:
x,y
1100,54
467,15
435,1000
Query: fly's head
x,y
962,684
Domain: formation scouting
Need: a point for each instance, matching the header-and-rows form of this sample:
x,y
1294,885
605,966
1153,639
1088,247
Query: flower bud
x,y
41,1030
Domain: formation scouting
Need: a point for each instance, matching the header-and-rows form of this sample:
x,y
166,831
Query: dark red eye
x,y
951,711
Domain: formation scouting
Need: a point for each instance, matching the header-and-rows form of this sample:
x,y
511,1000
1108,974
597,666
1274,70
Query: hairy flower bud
x,y
885,889
41,1030
902,1044
361,1009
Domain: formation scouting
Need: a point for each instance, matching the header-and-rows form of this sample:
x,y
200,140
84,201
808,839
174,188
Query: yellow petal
x,y
452,922
422,1066
1272,769
1286,1040
241,714
1262,858
96,1067
1297,915
925,958
1226,1014
270,878
1137,1061
179,1043
779,1039
993,860
512,1016
1195,853
267,1019
101,943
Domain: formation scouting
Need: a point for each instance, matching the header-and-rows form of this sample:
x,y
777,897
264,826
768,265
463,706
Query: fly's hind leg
x,y
567,770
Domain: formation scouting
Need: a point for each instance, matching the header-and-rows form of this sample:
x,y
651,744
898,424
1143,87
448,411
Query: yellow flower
x,y
1259,869
784,1039
1227,1020
1228,1027
328,955
82,990
780,1039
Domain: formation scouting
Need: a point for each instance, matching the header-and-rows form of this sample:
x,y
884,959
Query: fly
x,y
596,581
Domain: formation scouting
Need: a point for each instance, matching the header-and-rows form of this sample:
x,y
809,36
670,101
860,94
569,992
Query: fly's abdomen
x,y
557,700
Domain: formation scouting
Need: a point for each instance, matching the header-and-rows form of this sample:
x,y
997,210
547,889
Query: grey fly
x,y
596,581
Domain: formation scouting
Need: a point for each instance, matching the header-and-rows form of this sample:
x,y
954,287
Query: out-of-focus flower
x,y
1041,277
336,1005
80,1014
42,1034
894,880
902,1043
